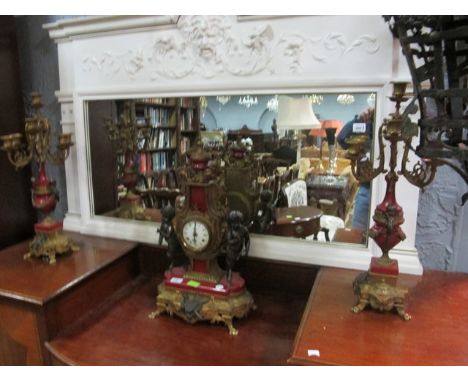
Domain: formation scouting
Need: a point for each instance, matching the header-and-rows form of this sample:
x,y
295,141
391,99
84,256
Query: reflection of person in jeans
x,y
361,202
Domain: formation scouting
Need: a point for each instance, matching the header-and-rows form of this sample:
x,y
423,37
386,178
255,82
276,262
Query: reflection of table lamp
x,y
296,114
330,128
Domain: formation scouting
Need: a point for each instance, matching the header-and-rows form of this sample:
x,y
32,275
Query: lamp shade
x,y
327,124
296,114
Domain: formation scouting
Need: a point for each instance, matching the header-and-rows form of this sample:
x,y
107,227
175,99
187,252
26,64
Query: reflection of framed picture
x,y
212,139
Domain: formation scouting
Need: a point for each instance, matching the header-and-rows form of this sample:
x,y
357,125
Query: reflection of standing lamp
x,y
296,114
330,127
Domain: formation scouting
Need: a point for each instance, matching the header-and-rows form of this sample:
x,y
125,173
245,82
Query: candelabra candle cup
x,y
393,129
35,126
36,101
357,146
65,140
399,89
11,142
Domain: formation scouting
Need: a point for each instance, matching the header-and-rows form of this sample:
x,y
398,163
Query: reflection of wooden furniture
x,y
349,235
244,132
297,221
319,187
38,301
437,301
269,164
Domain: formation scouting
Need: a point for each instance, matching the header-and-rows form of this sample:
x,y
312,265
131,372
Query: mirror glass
x,y
295,180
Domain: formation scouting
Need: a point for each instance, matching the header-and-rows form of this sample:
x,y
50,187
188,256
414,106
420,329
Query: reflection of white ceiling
x,y
232,116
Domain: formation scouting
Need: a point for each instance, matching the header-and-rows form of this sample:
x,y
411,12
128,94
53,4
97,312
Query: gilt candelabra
x,y
378,287
128,137
435,48
49,239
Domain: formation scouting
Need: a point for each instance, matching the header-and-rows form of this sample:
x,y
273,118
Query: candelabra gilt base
x,y
130,205
378,287
49,240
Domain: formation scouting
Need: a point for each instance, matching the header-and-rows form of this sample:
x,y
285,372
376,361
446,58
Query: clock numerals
x,y
196,235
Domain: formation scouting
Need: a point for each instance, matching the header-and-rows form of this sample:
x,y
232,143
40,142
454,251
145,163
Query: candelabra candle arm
x,y
423,171
59,156
363,170
20,158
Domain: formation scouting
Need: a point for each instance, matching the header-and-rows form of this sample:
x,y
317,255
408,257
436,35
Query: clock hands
x,y
195,232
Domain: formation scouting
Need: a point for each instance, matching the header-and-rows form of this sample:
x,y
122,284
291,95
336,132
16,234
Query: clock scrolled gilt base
x,y
205,230
212,301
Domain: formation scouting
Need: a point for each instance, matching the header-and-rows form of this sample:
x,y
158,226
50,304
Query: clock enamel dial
x,y
196,235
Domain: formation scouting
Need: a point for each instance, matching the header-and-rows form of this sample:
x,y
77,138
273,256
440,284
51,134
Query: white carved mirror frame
x,y
116,57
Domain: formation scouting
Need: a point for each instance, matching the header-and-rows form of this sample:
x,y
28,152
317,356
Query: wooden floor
x,y
122,334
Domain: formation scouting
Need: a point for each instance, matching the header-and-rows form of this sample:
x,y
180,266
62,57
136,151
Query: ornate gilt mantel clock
x,y
202,291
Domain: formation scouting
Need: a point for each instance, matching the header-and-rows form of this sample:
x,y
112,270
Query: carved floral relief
x,y
208,46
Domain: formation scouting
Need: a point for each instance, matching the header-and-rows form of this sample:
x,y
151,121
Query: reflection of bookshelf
x,y
188,123
174,126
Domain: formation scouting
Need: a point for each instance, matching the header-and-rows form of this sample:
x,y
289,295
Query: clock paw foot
x,y
232,330
154,314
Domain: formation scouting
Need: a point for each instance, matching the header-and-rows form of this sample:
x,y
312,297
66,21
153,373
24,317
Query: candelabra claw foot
x,y
380,292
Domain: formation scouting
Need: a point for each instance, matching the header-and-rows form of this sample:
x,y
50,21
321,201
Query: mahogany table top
x,y
37,282
436,335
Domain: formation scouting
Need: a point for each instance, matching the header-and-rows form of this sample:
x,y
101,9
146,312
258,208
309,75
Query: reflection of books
x,y
212,139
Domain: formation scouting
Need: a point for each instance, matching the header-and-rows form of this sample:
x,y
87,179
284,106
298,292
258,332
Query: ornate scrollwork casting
x,y
435,48
35,143
362,166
